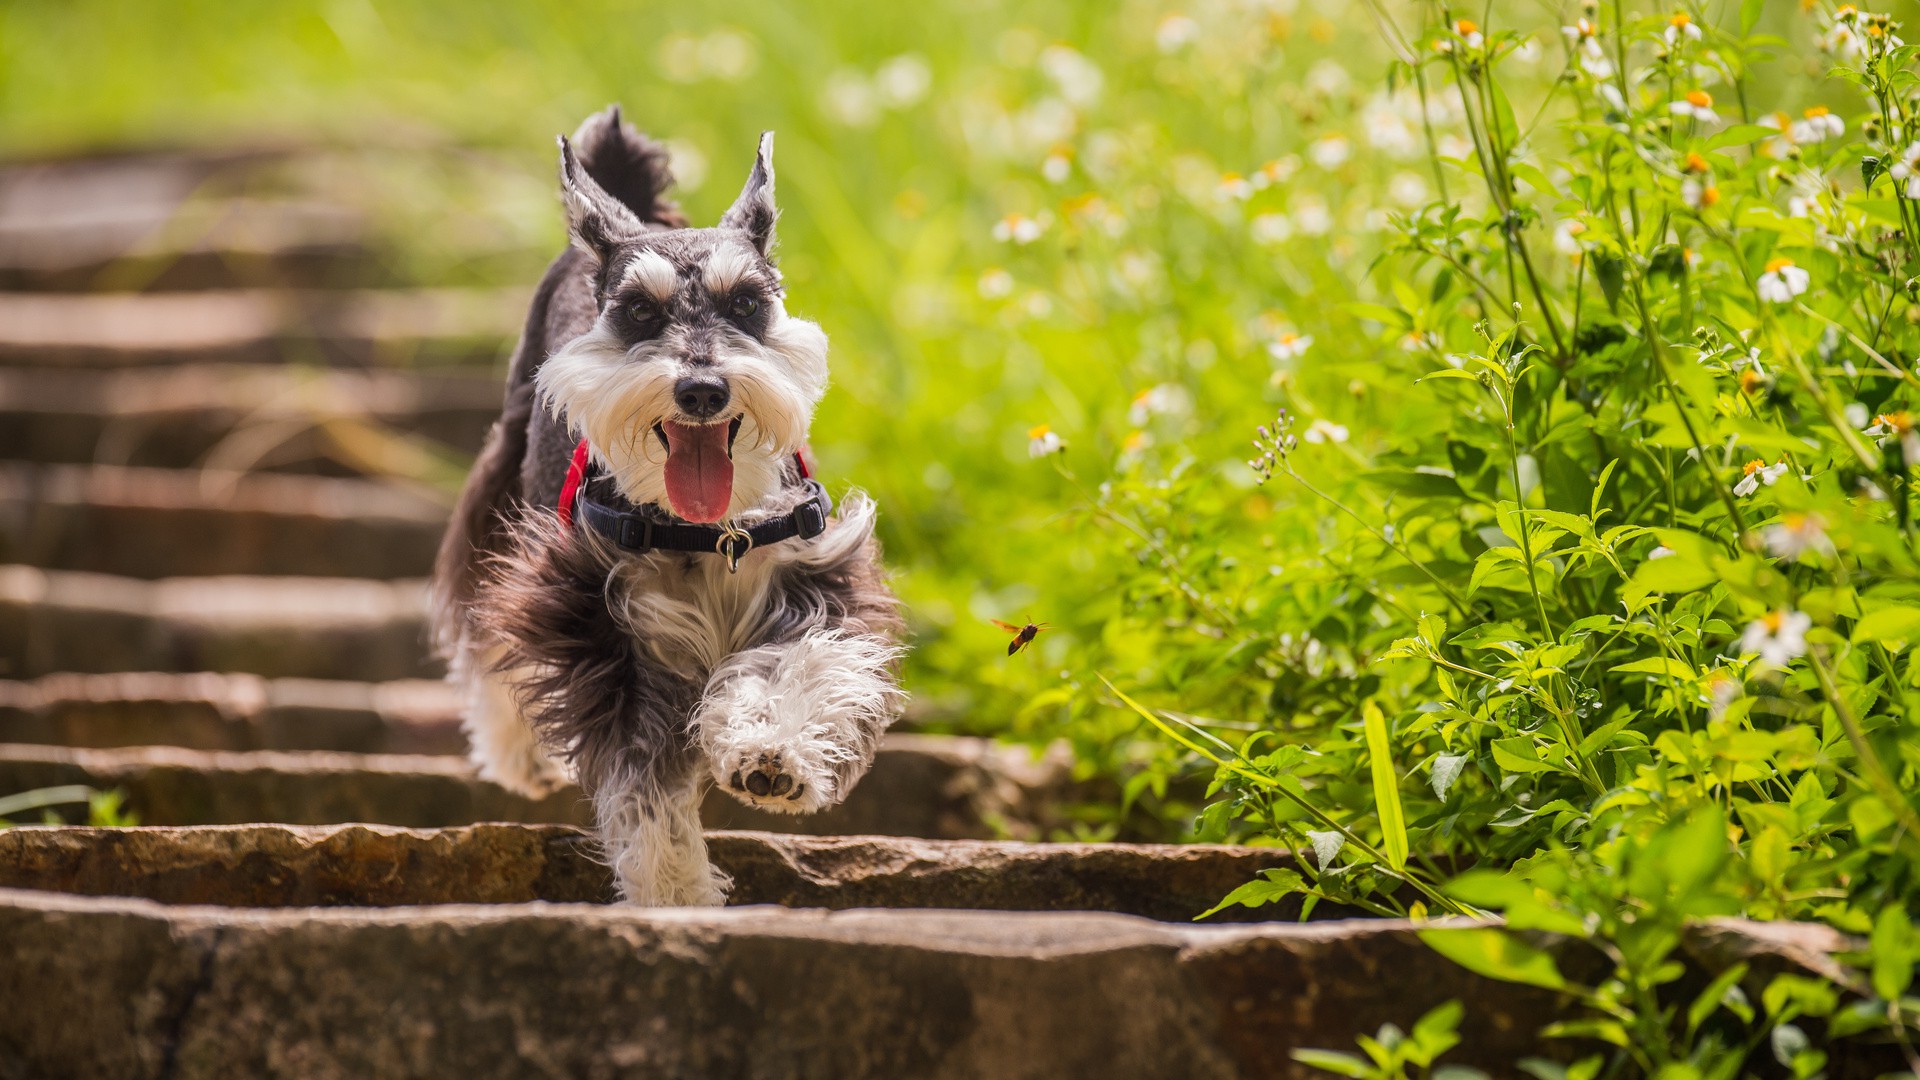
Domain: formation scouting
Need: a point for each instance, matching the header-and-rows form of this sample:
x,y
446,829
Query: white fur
x,y
502,744
655,846
727,268
812,710
613,397
652,272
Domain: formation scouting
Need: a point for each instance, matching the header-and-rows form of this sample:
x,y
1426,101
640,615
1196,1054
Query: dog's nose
x,y
701,397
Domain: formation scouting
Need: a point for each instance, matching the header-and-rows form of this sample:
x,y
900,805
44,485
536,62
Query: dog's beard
x,y
622,402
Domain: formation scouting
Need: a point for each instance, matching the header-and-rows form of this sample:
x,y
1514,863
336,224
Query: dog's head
x,y
694,387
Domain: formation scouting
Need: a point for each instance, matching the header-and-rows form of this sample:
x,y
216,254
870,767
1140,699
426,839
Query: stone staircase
x,y
211,603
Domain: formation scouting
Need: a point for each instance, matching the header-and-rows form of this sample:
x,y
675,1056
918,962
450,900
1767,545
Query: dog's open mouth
x,y
699,467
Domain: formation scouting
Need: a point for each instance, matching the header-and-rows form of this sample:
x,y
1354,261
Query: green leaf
x,y
1518,755
1497,954
1894,623
1272,885
1664,666
1750,11
1712,997
1386,786
1895,949
1334,1062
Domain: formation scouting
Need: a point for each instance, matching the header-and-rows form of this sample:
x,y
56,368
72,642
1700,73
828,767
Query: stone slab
x,y
284,417
370,865
109,987
208,711
940,787
385,327
152,523
317,628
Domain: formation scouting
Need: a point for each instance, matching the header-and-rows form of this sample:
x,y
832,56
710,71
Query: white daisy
x,y
1680,28
1175,32
1897,425
1041,441
1778,636
1290,346
1018,229
1908,169
1330,151
1818,124
1156,401
1697,104
1584,38
1782,281
1566,238
1469,33
1325,431
1797,534
1756,472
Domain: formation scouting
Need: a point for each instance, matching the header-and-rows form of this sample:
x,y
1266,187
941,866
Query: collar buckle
x,y
734,542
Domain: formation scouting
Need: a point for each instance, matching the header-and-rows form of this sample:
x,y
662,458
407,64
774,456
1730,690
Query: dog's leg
x,y
501,741
651,833
791,727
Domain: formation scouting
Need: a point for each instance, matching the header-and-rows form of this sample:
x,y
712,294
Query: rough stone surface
x,y
311,865
931,786
287,419
385,327
206,711
158,246
369,865
111,988
320,628
151,523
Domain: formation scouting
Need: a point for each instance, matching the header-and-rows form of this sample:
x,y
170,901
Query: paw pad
x,y
767,780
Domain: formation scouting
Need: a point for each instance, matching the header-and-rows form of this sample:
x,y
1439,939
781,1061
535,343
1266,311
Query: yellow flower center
x,y
1751,381
1773,620
1039,431
1465,28
1709,196
1899,422
1817,112
1774,266
1681,19
1700,99
1696,163
1752,467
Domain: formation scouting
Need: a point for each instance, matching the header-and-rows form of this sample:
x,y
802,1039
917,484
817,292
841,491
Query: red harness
x,y
577,475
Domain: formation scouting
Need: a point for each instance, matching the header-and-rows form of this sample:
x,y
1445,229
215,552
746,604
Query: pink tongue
x,y
699,472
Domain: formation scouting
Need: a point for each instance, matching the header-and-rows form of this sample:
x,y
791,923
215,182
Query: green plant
x,y
104,808
1390,1052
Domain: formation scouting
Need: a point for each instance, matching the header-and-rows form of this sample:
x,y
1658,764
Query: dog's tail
x,y
630,166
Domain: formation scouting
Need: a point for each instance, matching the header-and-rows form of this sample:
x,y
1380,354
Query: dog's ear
x,y
596,221
753,212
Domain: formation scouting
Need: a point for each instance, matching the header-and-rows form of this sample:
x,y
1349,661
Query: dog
x,y
643,589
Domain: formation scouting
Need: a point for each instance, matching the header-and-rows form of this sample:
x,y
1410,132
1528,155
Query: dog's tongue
x,y
699,472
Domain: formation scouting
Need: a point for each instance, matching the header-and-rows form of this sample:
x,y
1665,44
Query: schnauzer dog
x,y
643,586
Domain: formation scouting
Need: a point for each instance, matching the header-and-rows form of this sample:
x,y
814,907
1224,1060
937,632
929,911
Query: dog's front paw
x,y
776,778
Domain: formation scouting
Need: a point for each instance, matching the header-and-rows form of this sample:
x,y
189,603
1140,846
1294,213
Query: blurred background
x,y
264,263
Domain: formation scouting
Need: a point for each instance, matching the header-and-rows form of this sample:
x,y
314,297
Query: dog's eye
x,y
745,307
640,311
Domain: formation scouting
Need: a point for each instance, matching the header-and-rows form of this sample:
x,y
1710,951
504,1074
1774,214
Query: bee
x,y
1022,635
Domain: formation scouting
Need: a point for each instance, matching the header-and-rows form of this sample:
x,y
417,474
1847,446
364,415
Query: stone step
x,y
371,865
282,417
205,711
939,787
55,621
393,328
193,244
151,523
117,987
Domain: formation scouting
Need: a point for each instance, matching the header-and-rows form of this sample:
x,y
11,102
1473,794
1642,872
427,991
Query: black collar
x,y
641,530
